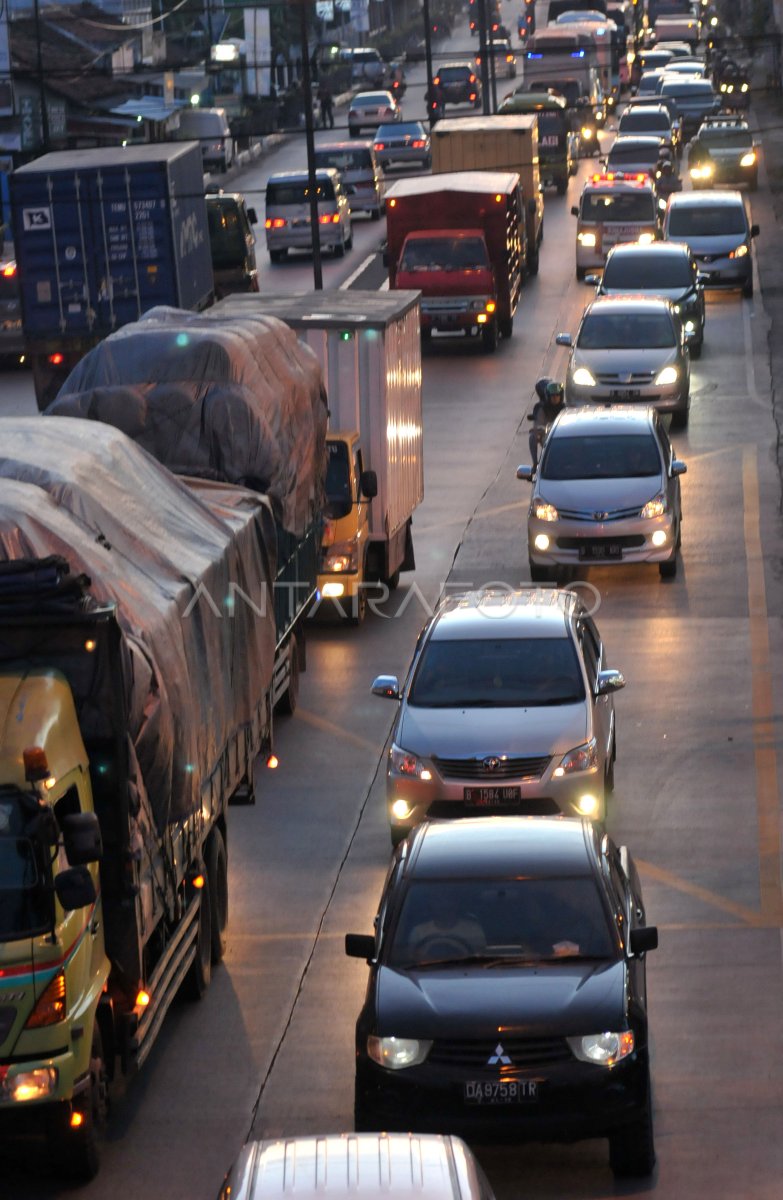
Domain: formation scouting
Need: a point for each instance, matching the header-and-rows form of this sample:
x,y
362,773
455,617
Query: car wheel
x,y
277,256
747,290
754,183
363,1119
339,250
668,569
540,574
696,349
581,272
354,130
533,262
609,776
506,325
398,835
632,1150
680,419
562,187
477,102
375,214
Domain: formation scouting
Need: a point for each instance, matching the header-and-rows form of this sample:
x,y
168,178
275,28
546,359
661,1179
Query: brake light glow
x,y
392,203
380,146
274,223
471,79
417,145
9,269
57,359
329,219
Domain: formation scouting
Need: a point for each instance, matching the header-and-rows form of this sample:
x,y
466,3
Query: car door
x,y
672,481
602,706
624,884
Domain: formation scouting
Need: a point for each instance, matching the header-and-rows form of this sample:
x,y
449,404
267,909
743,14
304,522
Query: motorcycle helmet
x,y
555,391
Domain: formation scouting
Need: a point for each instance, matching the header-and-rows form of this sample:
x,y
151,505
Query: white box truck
x,y
369,347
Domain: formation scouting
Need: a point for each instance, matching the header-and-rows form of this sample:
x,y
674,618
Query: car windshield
x,y
646,271
726,139
604,456
376,99
413,129
497,673
497,922
619,206
25,908
344,159
444,254
623,155
711,220
226,236
338,481
627,331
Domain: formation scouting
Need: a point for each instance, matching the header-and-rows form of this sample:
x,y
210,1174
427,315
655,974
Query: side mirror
x,y
596,279
574,210
252,216
609,681
74,888
82,839
368,484
643,939
563,339
526,473
361,945
387,686
678,468
754,231
702,280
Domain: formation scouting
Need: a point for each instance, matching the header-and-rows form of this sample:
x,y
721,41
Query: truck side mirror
x,y
74,888
252,216
360,945
82,839
368,484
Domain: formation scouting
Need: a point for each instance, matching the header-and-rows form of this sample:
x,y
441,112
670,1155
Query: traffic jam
x,y
277,433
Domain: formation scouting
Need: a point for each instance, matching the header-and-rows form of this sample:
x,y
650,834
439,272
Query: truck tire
x,y
358,609
506,325
562,187
217,879
199,975
75,1153
533,262
489,338
290,697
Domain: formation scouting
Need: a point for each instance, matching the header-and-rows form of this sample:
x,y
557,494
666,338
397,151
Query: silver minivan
x,y
716,226
287,221
361,176
210,127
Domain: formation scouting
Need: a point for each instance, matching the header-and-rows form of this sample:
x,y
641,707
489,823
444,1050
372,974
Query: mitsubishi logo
x,y
491,764
499,1058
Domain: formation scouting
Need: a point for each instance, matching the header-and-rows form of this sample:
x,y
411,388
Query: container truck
x,y
557,57
230,398
101,236
369,348
460,239
497,143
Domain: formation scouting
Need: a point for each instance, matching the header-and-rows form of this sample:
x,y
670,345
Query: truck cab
x,y
343,569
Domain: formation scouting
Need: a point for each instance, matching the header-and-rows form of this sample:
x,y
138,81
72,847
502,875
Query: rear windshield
x,y
616,206
606,456
344,160
626,331
452,74
709,221
619,155
376,99
201,124
497,673
639,119
647,270
648,85
226,236
444,254
297,193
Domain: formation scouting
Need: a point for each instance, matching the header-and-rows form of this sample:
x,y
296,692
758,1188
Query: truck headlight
x,y
586,239
654,508
545,512
341,557
603,1049
583,378
405,763
581,758
748,159
30,1085
666,376
397,1053
482,304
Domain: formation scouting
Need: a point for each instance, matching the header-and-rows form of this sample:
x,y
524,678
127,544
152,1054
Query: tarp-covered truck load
x,y
238,400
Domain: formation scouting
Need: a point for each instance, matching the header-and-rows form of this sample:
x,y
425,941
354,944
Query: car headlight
x,y
545,512
744,87
583,378
340,557
690,326
405,763
740,252
655,507
397,1053
603,1049
704,172
646,239
666,376
581,758
480,304
588,131
748,159
586,239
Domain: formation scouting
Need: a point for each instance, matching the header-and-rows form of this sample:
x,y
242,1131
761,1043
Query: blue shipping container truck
x,y
101,237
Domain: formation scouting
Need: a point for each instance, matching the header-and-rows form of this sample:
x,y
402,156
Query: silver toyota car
x,y
507,708
607,491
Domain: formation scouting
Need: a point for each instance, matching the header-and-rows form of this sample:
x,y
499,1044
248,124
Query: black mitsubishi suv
x,y
507,992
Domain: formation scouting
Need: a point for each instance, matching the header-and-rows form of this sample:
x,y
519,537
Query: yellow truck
x,y
497,143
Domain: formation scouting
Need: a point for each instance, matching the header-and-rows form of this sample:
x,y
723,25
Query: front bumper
x,y
573,1100
301,238
726,272
26,1115
458,314
672,399
599,541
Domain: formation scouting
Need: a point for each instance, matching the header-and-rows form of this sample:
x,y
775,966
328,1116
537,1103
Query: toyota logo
x,y
491,764
600,516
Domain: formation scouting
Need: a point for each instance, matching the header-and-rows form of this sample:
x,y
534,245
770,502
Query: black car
x,y
507,996
665,269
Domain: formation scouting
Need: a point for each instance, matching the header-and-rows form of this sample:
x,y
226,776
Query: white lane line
x,y
362,267
750,369
385,285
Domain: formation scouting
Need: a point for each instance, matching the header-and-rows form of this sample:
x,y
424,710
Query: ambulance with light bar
x,y
614,207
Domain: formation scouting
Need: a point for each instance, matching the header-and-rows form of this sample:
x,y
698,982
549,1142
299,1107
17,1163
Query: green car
x,y
723,151
557,144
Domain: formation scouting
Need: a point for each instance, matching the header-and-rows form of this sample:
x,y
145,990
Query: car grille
x,y
634,379
628,541
506,768
453,810
619,514
523,1052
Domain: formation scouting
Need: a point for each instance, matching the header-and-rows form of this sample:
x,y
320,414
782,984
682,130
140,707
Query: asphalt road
x,y
270,1049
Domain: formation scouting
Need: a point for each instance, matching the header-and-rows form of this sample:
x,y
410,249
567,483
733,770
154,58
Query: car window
x,y
639,119
627,331
297,193
633,154
647,271
706,220
444,254
344,159
497,673
412,129
666,445
226,235
338,481
618,206
590,656
601,456
540,919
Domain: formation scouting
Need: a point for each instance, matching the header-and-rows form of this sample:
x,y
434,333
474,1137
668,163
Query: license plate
x,y
515,1091
484,797
626,393
600,550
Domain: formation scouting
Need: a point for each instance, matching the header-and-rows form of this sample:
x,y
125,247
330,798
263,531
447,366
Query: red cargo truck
x,y
459,239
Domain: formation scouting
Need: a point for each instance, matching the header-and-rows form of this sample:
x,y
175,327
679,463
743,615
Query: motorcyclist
x,y
666,179
551,401
435,102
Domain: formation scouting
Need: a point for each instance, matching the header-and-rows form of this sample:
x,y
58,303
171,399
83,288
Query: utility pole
x,y
428,56
41,84
315,228
482,17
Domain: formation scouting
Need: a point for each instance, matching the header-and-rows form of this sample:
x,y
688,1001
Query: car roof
x,y
502,848
593,419
706,197
642,140
502,613
356,144
303,176
628,304
660,249
656,107
467,65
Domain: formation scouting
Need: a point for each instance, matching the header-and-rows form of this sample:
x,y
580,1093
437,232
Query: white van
x,y
287,223
357,1166
210,127
367,65
361,176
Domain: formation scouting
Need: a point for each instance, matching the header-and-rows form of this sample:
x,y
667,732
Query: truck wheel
x,y
533,262
489,338
75,1152
358,610
198,977
217,878
562,187
288,701
506,325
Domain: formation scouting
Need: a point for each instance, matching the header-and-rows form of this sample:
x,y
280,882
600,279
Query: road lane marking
x,y
337,731
750,366
765,755
364,266
748,916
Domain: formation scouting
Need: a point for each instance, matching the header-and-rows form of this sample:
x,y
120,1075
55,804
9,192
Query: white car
x,y
368,110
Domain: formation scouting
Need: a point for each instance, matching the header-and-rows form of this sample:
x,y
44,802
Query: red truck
x,y
460,239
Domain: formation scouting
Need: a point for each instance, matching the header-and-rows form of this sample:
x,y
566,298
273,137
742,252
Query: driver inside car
x,y
445,931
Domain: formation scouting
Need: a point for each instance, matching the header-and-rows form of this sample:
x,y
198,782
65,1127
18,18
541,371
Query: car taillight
x,y
509,58
57,359
471,79
329,219
417,145
274,222
9,269
472,96
436,80
379,146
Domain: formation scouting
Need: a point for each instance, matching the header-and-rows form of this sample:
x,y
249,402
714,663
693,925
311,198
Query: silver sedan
x,y
402,144
368,110
630,349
